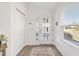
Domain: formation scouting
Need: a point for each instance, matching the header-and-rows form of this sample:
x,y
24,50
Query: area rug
x,y
42,51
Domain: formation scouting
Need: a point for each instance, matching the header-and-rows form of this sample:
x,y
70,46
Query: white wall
x,y
5,23
12,25
34,13
17,28
65,47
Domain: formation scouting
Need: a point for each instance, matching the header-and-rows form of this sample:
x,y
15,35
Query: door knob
x,y
37,34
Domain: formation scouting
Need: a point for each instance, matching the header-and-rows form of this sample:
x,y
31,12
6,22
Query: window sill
x,y
71,43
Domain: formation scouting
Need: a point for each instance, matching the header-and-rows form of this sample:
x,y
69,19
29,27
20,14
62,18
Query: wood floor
x,y
39,50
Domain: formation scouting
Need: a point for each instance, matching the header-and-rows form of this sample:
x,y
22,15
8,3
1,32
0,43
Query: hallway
x,y
39,50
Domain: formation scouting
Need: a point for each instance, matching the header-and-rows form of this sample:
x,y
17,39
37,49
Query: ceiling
x,y
48,5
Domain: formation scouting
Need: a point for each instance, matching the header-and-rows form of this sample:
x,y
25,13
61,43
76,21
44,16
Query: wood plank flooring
x,y
39,50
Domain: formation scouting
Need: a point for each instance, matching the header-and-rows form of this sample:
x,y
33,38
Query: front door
x,y
44,30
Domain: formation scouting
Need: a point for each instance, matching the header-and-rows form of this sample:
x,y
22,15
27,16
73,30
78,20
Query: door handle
x,y
36,34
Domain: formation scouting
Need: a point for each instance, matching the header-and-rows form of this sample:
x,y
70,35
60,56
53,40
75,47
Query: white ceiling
x,y
48,5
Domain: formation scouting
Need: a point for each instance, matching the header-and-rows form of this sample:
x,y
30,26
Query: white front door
x,y
43,33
